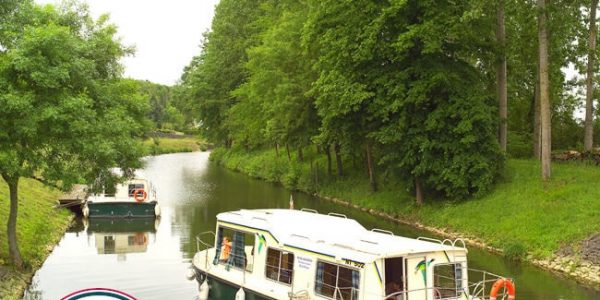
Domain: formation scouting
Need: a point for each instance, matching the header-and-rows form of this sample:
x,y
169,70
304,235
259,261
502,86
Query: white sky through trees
x,y
166,33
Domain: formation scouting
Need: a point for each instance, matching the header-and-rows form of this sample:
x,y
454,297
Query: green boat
x,y
136,198
121,225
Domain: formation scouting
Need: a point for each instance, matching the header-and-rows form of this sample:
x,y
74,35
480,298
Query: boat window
x,y
234,248
337,282
447,281
110,244
394,278
133,187
280,265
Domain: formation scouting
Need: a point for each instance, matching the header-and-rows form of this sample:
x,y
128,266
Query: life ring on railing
x,y
503,283
140,195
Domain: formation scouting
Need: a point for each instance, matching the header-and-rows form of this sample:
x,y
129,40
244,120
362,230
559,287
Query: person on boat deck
x,y
225,249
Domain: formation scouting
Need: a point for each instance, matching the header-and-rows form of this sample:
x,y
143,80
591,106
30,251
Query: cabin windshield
x,y
394,278
447,281
234,248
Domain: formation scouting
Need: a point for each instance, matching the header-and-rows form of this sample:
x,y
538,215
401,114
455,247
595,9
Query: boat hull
x,y
122,209
220,289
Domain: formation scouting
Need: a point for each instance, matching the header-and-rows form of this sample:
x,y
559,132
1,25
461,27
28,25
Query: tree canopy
x,y
66,115
438,93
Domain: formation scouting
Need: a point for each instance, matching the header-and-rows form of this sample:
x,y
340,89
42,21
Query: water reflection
x,y
122,236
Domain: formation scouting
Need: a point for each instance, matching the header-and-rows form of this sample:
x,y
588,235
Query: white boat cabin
x,y
124,192
300,254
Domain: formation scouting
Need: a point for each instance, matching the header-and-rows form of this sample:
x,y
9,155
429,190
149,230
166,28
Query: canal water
x,y
150,260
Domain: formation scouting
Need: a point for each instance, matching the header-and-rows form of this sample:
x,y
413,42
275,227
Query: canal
x,y
150,259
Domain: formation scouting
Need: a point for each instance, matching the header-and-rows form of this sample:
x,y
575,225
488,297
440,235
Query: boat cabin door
x,y
395,278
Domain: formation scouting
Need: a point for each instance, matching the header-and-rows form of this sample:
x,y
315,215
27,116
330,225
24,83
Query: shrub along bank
x,y
521,215
40,227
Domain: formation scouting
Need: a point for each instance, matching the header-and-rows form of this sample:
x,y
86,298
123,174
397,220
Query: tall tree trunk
x,y
328,153
588,141
300,155
501,77
13,246
338,159
287,149
371,168
544,90
418,191
537,145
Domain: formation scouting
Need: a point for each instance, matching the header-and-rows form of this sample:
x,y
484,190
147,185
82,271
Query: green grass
x,y
521,214
163,145
39,228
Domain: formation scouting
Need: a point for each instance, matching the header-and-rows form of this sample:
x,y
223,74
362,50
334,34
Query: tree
x,y
501,77
274,101
545,125
65,113
589,101
404,75
220,68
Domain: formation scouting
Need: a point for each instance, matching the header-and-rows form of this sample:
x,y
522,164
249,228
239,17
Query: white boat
x,y
134,198
301,254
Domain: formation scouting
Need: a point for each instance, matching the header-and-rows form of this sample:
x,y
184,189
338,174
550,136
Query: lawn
x,y
163,145
39,228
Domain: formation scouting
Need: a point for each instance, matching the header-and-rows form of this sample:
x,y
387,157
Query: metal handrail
x,y
199,242
310,210
382,231
428,239
337,215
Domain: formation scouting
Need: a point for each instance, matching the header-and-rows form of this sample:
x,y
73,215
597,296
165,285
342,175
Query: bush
x,y
519,145
514,250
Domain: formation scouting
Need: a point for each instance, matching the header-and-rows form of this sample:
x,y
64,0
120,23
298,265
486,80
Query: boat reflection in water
x,y
122,236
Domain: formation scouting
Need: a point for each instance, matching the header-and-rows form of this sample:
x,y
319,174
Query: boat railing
x,y
478,290
205,245
310,210
382,231
445,242
341,293
337,215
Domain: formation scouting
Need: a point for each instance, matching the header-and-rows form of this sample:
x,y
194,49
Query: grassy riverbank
x,y
39,228
164,145
521,215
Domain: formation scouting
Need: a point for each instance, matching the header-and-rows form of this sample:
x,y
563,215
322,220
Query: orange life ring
x,y
503,283
137,197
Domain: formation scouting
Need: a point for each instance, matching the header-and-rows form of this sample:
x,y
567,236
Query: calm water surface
x,y
150,259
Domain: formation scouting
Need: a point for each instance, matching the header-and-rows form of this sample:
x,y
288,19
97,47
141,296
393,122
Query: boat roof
x,y
332,235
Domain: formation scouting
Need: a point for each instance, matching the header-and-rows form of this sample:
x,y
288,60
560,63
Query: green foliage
x,y
406,85
65,113
514,250
219,69
519,145
376,64
163,110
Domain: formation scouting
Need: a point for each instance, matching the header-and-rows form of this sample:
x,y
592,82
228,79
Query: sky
x,y
166,33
